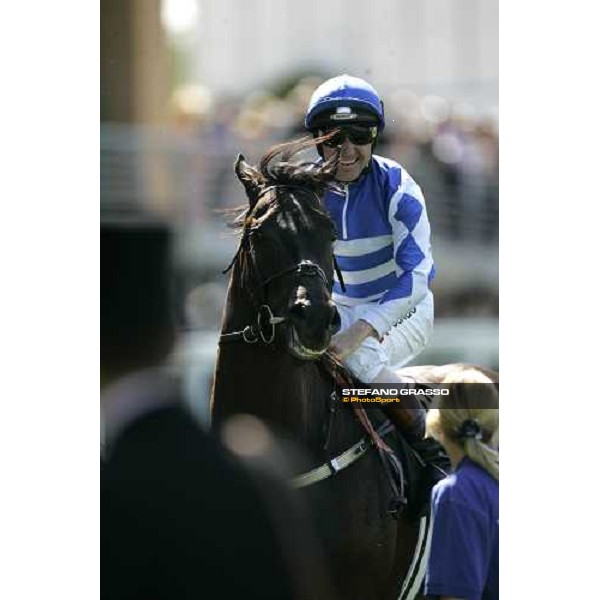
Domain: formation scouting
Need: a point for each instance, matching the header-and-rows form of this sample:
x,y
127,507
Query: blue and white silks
x,y
383,247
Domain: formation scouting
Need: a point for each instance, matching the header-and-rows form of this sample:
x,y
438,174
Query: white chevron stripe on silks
x,y
416,573
361,246
367,275
345,301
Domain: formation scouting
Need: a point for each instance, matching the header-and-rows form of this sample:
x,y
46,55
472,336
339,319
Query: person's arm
x,y
346,342
412,253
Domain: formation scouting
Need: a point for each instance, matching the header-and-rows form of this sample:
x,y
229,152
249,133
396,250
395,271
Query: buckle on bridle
x,y
335,467
363,447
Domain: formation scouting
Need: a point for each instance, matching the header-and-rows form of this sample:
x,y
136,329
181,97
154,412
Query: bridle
x,y
265,322
264,326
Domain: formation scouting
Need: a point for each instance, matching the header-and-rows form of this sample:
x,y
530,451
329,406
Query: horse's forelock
x,y
277,168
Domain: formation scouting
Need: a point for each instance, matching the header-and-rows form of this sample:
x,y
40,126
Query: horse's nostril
x,y
336,321
298,310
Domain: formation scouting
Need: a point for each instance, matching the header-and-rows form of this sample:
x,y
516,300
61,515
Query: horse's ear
x,y
250,178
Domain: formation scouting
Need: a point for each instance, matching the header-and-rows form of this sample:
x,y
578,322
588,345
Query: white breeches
x,y
403,342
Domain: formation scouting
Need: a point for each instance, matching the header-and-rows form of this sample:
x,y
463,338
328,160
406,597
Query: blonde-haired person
x,y
463,563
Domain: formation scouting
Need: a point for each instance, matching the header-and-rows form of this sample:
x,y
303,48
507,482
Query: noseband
x,y
304,267
264,326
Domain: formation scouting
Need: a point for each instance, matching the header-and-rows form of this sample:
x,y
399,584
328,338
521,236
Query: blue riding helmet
x,y
344,100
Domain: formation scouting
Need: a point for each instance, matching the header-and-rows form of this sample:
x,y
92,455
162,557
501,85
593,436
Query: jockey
x,y
383,248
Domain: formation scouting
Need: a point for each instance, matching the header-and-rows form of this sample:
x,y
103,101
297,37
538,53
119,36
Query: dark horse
x,y
277,325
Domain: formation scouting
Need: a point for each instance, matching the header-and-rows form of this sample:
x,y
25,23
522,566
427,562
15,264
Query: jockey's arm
x,y
346,342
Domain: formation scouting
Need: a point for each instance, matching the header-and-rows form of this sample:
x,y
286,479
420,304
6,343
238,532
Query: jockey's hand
x,y
346,342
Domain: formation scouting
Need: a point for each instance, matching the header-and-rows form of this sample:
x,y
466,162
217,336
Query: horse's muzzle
x,y
299,350
336,321
310,329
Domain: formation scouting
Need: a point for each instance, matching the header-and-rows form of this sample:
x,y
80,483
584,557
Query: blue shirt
x,y
464,545
383,247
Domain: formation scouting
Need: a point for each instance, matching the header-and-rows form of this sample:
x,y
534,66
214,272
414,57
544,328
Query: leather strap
x,y
334,466
340,462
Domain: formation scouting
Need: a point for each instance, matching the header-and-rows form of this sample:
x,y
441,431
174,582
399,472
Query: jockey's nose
x,y
346,149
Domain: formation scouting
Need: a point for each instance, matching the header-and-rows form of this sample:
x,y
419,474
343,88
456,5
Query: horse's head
x,y
286,253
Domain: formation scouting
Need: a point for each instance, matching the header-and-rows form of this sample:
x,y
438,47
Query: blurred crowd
x,y
449,147
183,174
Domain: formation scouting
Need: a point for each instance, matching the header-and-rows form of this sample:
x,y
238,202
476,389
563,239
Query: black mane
x,y
276,167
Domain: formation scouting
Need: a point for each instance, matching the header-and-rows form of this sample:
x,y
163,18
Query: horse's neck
x,y
239,308
267,382
264,380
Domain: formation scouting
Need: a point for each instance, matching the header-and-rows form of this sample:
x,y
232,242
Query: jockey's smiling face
x,y
355,143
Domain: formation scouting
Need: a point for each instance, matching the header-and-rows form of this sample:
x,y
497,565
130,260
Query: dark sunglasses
x,y
355,133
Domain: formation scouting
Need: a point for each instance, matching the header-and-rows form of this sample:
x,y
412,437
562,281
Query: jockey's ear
x,y
250,178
